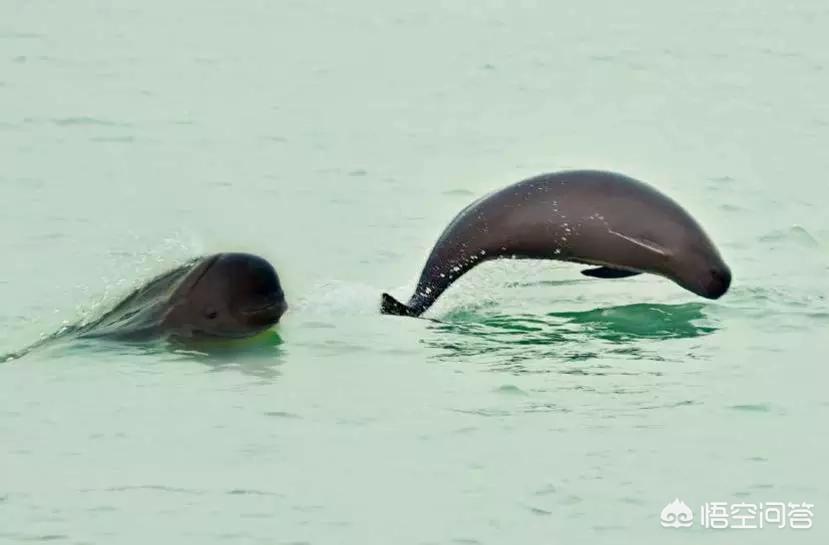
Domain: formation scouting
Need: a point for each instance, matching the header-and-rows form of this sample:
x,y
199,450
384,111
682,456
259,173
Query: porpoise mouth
x,y
251,320
269,311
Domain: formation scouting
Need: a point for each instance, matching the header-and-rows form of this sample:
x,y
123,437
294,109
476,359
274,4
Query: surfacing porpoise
x,y
221,296
225,296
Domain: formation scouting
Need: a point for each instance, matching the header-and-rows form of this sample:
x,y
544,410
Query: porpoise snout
x,y
261,299
718,282
249,288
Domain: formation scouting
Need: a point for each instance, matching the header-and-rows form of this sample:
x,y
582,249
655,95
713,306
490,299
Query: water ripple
x,y
87,121
626,331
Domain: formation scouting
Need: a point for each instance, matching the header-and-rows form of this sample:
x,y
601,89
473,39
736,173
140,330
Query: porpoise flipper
x,y
608,272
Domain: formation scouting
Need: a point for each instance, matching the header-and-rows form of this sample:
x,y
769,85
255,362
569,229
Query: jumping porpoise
x,y
619,225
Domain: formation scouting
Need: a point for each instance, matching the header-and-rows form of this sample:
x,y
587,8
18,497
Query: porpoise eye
x,y
210,314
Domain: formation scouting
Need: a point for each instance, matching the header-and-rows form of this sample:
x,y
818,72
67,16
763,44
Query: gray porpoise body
x,y
619,224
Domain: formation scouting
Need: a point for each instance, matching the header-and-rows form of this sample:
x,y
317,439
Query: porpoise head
x,y
697,266
230,295
667,241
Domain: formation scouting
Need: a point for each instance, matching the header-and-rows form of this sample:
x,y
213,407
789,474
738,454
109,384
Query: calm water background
x,y
337,139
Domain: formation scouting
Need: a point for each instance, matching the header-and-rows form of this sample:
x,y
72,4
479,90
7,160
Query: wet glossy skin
x,y
591,217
